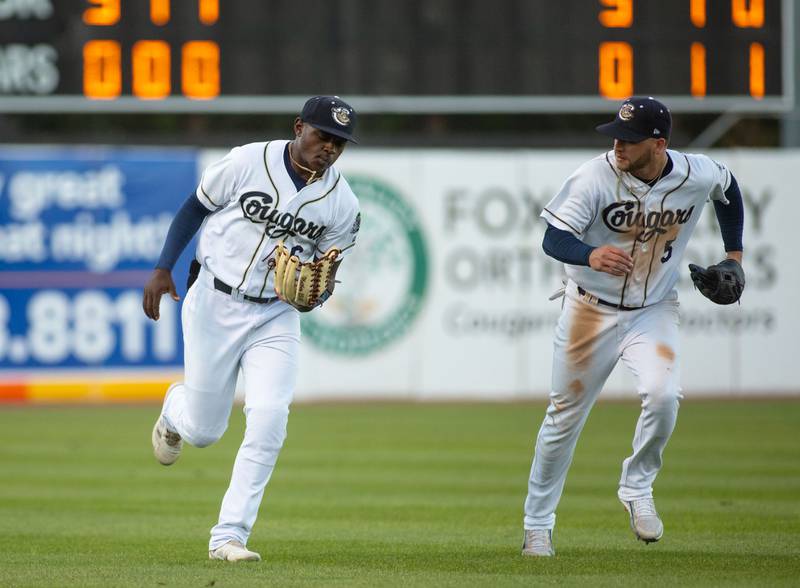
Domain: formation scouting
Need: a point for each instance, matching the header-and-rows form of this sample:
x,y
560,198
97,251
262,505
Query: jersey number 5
x,y
667,251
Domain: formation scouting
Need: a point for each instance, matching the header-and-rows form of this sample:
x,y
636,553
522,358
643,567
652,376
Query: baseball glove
x,y
721,283
303,285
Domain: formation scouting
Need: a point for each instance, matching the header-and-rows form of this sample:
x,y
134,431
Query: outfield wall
x,y
446,295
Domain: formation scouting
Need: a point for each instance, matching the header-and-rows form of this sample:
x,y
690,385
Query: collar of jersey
x,y
284,182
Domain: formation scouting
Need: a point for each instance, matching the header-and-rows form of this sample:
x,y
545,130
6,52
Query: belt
x,y
593,298
223,287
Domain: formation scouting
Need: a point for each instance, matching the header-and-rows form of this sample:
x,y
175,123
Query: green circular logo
x,y
384,278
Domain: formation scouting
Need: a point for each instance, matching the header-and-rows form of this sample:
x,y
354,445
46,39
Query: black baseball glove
x,y
721,283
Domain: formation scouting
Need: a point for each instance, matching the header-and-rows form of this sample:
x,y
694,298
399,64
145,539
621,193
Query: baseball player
x,y
621,223
265,212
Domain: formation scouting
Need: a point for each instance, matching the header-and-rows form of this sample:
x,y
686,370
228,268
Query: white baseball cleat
x,y
538,543
233,551
644,519
166,444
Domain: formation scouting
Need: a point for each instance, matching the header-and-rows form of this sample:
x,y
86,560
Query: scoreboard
x,y
447,56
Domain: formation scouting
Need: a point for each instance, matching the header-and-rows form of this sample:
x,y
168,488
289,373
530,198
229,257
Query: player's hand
x,y
611,260
160,282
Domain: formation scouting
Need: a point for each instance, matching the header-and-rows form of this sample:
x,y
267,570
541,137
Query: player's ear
x,y
298,127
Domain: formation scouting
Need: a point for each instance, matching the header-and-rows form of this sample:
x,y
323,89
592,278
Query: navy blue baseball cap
x,y
638,119
330,114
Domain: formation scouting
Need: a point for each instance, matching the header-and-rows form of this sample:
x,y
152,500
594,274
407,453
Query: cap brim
x,y
335,132
615,130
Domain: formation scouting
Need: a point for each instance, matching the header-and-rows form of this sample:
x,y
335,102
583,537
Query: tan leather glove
x,y
303,285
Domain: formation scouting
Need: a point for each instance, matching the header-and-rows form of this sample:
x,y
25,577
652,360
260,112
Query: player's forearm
x,y
731,218
184,226
565,247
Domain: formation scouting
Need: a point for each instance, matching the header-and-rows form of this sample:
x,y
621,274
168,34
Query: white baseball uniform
x,y
602,205
255,205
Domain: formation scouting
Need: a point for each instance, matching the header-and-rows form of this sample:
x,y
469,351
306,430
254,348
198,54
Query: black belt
x,y
583,292
223,287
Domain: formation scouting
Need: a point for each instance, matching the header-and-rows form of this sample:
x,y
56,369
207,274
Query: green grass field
x,y
411,495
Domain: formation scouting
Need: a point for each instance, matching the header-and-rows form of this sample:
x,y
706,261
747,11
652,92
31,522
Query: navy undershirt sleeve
x,y
731,217
185,224
565,247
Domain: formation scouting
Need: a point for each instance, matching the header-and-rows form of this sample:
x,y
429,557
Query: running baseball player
x,y
277,219
621,223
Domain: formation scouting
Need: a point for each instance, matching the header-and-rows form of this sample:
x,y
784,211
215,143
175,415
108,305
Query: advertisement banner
x,y
80,231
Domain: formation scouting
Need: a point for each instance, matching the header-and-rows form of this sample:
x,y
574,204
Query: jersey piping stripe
x,y
550,212
269,175
264,234
633,250
207,197
663,199
336,183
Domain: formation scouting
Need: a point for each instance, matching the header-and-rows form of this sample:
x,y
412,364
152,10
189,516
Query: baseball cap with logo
x,y
330,114
638,119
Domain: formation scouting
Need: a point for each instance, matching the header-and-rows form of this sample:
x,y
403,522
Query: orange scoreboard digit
x,y
389,56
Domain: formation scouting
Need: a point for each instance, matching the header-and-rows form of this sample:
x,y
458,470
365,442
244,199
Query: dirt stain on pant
x,y
665,351
576,387
586,325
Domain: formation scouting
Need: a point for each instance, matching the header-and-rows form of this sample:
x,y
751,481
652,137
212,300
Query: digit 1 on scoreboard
x,y
757,70
159,12
698,70
208,11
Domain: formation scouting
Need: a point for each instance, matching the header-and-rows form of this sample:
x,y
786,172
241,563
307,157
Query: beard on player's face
x,y
633,157
640,163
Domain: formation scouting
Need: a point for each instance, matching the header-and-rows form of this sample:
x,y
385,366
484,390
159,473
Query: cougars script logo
x,y
621,217
257,207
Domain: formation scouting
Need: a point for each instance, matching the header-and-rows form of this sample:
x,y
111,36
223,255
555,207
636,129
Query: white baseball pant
x,y
589,339
222,335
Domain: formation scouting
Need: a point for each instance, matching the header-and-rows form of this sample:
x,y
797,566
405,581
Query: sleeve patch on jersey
x,y
356,224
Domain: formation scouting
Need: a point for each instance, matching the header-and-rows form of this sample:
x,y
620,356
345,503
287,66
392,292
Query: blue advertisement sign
x,y
80,232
